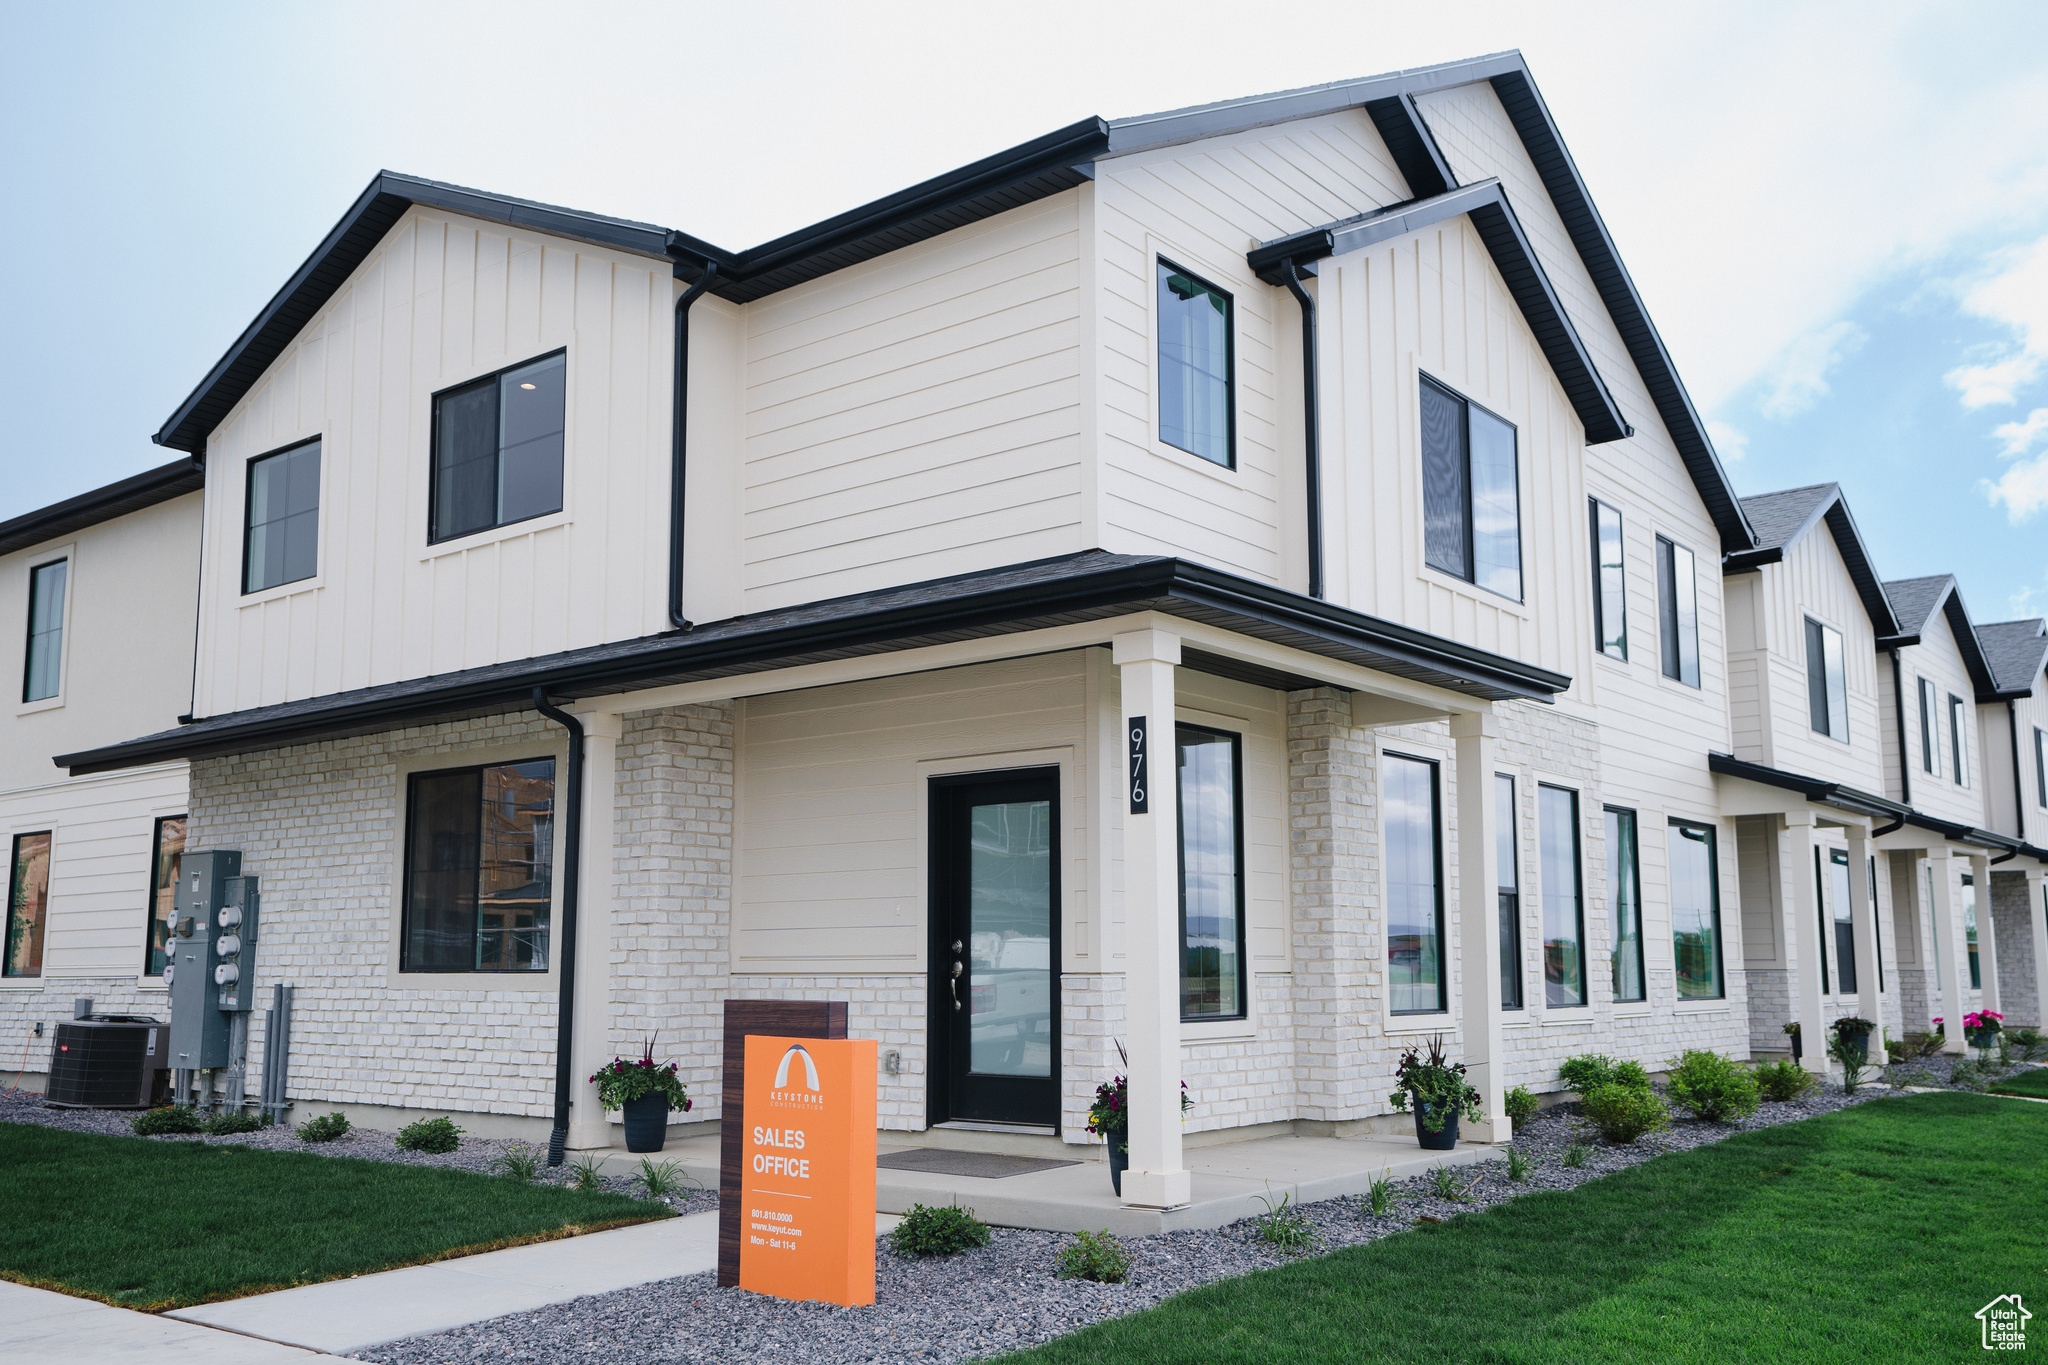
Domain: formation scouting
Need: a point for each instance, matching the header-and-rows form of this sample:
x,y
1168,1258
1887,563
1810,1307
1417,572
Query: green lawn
x,y
157,1225
1870,1234
2030,1083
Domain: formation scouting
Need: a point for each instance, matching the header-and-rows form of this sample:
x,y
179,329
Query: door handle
x,y
953,983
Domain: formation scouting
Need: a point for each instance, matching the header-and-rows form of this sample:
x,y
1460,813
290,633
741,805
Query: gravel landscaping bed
x,y
1006,1296
1940,1070
474,1154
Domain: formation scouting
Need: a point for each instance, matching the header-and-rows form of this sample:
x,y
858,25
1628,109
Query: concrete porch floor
x,y
1230,1180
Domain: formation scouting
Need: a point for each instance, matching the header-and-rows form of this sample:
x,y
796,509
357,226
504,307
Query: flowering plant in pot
x,y
1852,1036
647,1091
1981,1028
1109,1118
1438,1089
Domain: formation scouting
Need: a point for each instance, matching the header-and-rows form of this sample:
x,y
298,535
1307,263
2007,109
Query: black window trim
x,y
1578,882
1930,728
28,629
1667,546
7,914
1826,695
1642,965
2041,766
1470,577
156,846
1713,843
1594,507
1511,888
1958,749
434,444
1436,840
1229,363
405,872
320,514
1180,855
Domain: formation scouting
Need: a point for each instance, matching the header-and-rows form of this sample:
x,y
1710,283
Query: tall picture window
x,y
1211,873
28,903
1564,918
2041,766
1820,915
1610,583
1827,689
1843,906
1958,740
1930,730
1415,900
1197,399
44,675
281,534
1471,493
1695,912
1510,893
1625,904
1970,930
498,445
1678,618
166,856
1876,926
479,868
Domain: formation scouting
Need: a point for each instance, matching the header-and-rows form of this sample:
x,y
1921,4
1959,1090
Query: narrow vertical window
x,y
498,445
1678,612
1197,404
1471,493
1415,902
1625,904
480,868
166,854
1695,912
1845,921
1929,724
281,536
1970,930
1820,911
1959,751
1510,893
1610,583
28,903
1927,898
2041,765
1876,927
1827,689
1446,501
45,672
1564,922
1211,874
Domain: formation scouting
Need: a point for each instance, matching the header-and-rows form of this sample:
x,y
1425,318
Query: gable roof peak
x,y
1782,520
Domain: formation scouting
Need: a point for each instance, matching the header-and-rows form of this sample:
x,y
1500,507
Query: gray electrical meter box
x,y
199,1030
234,945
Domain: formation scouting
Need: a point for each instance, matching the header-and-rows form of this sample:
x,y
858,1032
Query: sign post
x,y
807,1181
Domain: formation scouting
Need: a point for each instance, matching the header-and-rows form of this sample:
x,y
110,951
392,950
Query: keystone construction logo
x,y
2005,1323
782,1096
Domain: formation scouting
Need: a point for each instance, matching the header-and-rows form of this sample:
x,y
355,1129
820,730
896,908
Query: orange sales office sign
x,y
807,1173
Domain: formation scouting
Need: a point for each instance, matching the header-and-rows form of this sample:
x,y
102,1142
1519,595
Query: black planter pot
x,y
1444,1139
1119,1162
647,1122
1856,1044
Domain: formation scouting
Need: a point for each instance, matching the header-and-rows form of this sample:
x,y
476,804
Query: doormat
x,y
986,1165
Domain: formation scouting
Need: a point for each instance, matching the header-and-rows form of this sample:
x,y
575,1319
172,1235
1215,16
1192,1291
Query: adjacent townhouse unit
x,y
2013,737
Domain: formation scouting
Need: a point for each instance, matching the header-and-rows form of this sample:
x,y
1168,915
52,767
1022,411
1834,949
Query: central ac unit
x,y
115,1062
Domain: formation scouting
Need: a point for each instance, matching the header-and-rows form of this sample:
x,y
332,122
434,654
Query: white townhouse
x,y
2013,737
97,594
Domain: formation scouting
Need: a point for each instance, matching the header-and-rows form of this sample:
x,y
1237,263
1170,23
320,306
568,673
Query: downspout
x,y
1311,435
678,446
2019,782
1899,715
565,939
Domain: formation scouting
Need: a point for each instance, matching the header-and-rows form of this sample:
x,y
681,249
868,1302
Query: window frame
x,y
2041,766
1827,688
1163,262
248,528
1578,870
1180,840
1436,809
498,453
1842,916
1930,728
1972,922
1508,890
1671,633
1469,575
42,931
63,559
401,957
149,921
1676,825
1635,826
1958,744
1600,634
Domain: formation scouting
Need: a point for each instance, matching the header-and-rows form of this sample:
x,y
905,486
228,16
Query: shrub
x,y
1631,1074
232,1121
172,1118
430,1135
1970,1076
1095,1256
942,1231
1713,1087
1585,1074
1623,1113
1784,1080
326,1128
1521,1105
1921,1044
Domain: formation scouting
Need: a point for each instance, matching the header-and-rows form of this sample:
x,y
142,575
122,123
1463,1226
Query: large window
x,y
1930,730
281,538
1564,920
1211,874
1970,930
479,863
1820,912
1610,583
1197,402
167,855
28,902
1471,493
1678,617
1827,689
2041,765
1876,927
1415,901
1843,906
498,449
1695,912
1958,743
1625,903
45,672
1510,893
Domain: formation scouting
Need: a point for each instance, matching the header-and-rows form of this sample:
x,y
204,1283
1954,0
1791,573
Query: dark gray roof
x,y
1081,587
1781,520
2017,652
117,499
1915,602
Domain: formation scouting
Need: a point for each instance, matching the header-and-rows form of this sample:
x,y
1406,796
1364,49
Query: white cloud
x,y
1730,443
2020,437
2014,294
1799,374
2023,489
1998,382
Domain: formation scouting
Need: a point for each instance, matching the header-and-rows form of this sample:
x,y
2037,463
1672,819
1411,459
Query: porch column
x,y
1863,919
1802,932
1949,969
591,1048
1474,733
2037,918
1987,937
1152,948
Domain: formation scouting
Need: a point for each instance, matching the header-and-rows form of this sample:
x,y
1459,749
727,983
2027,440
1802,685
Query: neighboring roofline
x,y
1090,585
1485,202
132,494
2040,664
1814,789
1950,604
1834,509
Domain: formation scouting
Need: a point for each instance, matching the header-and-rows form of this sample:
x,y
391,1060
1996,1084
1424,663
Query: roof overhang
x,y
1813,790
118,499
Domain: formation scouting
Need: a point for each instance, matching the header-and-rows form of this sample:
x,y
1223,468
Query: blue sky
x,y
1838,216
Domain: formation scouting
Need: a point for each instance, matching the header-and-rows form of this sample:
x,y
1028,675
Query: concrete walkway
x,y
38,1327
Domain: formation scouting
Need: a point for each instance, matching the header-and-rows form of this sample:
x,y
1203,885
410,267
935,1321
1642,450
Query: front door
x,y
995,946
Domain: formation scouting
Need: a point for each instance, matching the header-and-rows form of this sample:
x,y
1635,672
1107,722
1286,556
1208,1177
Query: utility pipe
x,y
565,939
679,445
1311,435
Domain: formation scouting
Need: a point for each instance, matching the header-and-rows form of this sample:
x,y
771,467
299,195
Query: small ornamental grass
x,y
326,1128
1783,1081
944,1230
233,1121
434,1136
2025,1042
587,1171
1379,1195
663,1178
1576,1154
1623,1113
517,1162
172,1118
1094,1256
1284,1226
1519,1164
1714,1088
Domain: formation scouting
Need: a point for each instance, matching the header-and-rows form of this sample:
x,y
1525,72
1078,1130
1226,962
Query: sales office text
x,y
766,1164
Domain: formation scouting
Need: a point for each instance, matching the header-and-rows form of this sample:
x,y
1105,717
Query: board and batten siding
x,y
1939,659
444,299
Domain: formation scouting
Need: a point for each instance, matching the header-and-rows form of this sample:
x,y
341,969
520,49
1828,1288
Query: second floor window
x,y
1827,690
1958,746
498,445
2041,765
1678,612
281,540
1471,493
1197,408
1930,726
1610,583
45,672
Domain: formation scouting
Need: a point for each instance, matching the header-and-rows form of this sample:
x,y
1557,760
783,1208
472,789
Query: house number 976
x,y
1141,771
